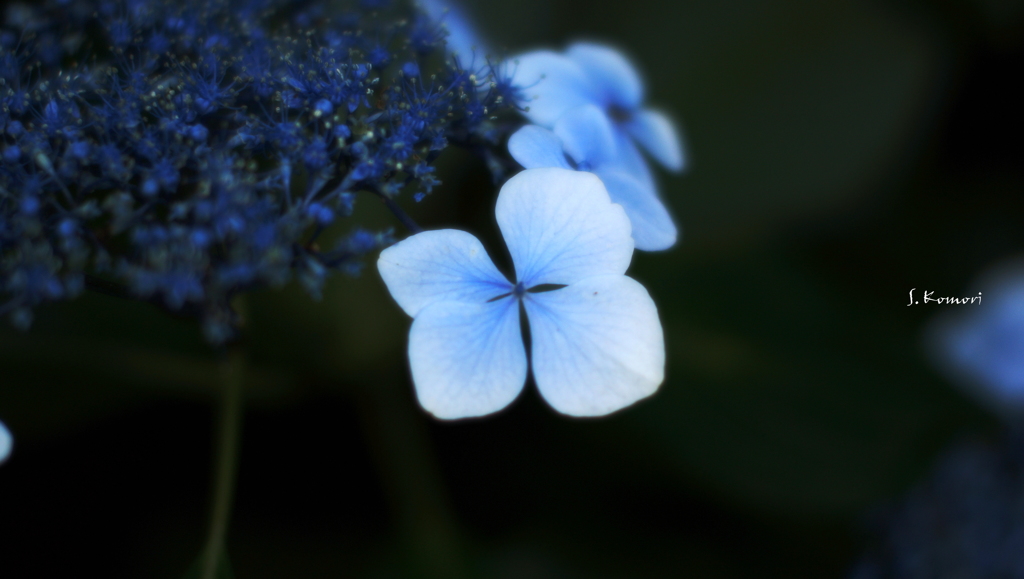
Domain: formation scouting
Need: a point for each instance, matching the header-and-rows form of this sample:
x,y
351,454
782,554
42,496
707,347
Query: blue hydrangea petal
x,y
6,443
653,228
462,39
587,136
467,359
535,147
552,83
657,134
631,161
597,346
561,227
441,265
614,78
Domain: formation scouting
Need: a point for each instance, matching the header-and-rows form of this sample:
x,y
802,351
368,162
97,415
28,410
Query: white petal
x,y
441,265
597,345
6,442
653,229
657,135
467,359
610,72
587,136
535,147
552,82
560,227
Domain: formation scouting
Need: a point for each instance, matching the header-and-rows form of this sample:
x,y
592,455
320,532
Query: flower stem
x,y
232,368
404,454
402,216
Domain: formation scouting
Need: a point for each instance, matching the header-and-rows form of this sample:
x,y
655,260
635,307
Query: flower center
x,y
620,114
519,291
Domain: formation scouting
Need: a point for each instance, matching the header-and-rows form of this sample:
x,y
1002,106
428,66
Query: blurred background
x,y
841,153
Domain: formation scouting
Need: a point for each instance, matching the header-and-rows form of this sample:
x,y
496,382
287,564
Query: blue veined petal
x,y
442,265
657,135
535,147
553,83
6,442
467,359
653,228
597,345
630,160
462,40
587,136
611,74
560,227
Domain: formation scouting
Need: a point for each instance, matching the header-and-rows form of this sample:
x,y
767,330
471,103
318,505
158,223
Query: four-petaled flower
x,y
583,139
599,75
597,343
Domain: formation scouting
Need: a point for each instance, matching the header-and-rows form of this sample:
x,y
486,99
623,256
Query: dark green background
x,y
841,153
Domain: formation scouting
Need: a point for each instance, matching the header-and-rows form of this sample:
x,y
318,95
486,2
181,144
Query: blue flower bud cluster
x,y
183,152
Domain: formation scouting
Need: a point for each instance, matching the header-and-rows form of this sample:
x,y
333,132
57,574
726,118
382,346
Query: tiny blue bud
x,y
12,154
197,132
363,241
324,107
150,187
79,149
325,216
200,238
342,131
346,202
30,205
67,227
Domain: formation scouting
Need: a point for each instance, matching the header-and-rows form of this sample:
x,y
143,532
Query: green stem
x,y
402,449
232,369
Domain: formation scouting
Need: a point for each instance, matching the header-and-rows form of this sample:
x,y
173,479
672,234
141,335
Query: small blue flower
x,y
583,139
6,443
597,341
599,75
981,345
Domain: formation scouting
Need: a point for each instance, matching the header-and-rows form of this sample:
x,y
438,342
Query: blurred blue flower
x,y
981,346
6,443
599,75
583,139
965,521
597,341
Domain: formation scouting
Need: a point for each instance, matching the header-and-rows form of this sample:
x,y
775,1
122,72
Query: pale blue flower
x,y
981,345
595,74
462,40
597,341
6,443
583,139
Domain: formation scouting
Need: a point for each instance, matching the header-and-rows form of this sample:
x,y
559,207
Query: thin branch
x,y
402,216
